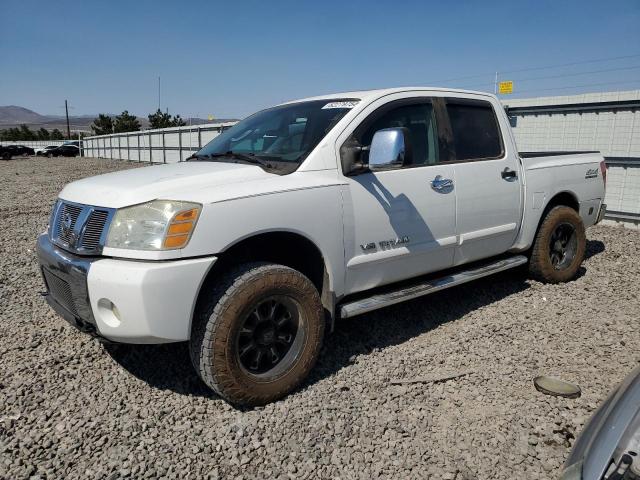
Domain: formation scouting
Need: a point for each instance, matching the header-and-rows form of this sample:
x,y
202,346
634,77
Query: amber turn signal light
x,y
176,228
176,241
186,215
180,228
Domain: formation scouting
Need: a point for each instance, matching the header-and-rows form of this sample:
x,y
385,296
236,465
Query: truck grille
x,y
80,228
60,290
67,211
93,230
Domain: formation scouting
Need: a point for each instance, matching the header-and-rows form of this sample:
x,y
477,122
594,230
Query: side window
x,y
420,120
475,129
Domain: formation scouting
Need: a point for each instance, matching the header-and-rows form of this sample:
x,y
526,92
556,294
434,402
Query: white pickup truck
x,y
313,210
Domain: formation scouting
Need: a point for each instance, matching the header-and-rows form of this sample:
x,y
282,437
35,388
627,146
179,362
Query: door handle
x,y
440,183
508,174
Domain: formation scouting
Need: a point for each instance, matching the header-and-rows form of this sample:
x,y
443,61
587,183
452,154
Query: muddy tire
x,y
559,246
257,333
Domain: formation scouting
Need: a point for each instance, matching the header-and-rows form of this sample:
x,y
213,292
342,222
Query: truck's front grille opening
x,y
93,230
60,290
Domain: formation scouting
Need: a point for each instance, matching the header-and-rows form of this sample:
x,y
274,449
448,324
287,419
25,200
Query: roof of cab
x,y
377,93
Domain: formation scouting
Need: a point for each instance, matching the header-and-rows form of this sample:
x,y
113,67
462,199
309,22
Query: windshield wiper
x,y
240,156
196,156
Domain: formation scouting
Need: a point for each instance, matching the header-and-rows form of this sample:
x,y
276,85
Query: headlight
x,y
156,225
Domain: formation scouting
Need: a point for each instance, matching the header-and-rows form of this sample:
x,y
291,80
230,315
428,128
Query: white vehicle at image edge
x,y
43,150
309,211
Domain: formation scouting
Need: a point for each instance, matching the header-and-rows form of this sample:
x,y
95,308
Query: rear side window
x,y
476,134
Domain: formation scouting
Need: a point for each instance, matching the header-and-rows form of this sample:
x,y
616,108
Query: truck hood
x,y
202,182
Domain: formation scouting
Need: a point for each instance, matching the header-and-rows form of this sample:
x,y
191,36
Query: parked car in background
x,y
608,448
5,153
323,208
17,150
63,151
44,150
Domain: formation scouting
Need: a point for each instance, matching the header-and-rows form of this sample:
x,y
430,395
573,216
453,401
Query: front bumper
x,y
65,276
124,301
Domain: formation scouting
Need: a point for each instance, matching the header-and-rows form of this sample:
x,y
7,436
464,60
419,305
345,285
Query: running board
x,y
358,307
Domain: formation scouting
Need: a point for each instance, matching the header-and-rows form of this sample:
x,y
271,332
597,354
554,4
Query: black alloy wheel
x,y
266,340
562,246
559,246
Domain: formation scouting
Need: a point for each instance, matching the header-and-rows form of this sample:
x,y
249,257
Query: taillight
x,y
603,170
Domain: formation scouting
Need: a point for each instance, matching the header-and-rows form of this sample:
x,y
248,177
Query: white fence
x,y
164,145
623,191
33,143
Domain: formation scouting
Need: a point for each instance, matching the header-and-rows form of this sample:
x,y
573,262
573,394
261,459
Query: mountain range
x,y
13,116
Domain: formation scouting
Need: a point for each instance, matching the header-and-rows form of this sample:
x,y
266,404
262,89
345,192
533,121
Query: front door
x,y
400,223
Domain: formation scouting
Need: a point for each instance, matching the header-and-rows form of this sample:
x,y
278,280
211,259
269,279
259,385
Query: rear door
x,y
488,187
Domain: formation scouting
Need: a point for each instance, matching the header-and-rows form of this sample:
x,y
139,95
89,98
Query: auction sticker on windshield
x,y
344,104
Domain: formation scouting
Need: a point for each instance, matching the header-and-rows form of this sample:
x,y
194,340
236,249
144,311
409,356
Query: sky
x,y
229,59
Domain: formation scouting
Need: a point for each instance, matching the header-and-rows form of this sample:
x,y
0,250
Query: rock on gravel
x,y
73,408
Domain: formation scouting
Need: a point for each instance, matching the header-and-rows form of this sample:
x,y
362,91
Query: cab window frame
x,y
449,134
436,103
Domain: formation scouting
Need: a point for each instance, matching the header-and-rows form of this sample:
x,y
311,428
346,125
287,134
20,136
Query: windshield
x,y
279,138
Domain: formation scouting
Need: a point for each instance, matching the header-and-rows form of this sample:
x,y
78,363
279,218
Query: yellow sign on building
x,y
505,87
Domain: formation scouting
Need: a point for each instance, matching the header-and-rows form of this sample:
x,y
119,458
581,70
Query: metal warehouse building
x,y
608,122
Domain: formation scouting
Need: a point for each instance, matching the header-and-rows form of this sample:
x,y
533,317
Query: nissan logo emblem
x,y
66,223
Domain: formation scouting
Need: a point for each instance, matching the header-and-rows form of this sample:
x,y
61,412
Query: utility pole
x,y
158,92
66,108
495,85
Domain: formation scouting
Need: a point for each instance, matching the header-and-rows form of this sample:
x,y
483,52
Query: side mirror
x,y
390,149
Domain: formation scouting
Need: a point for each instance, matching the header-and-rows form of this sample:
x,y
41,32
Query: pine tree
x,y
164,120
43,134
102,125
56,135
126,123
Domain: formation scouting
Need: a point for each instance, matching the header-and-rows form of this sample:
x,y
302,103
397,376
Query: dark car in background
x,y
5,153
8,151
608,448
17,150
65,150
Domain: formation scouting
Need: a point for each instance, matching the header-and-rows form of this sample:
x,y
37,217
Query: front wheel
x,y
257,334
559,246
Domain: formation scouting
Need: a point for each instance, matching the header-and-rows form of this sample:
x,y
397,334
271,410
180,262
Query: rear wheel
x,y
559,247
257,333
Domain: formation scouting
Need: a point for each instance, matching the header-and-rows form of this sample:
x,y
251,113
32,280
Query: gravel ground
x,y
73,408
